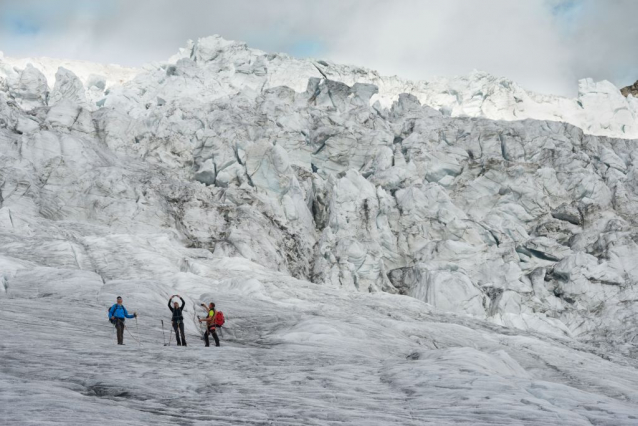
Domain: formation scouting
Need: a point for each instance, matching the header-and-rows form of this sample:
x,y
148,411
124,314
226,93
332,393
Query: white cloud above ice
x,y
545,45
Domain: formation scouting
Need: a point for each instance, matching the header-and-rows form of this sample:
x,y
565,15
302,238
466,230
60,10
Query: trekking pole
x,y
170,336
198,323
203,336
137,330
163,334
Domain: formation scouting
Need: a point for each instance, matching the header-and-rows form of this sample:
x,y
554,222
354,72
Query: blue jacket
x,y
119,311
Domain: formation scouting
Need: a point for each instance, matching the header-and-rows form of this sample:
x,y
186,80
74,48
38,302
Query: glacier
x,y
386,251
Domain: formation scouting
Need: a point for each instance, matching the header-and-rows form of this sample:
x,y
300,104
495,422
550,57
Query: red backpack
x,y
219,319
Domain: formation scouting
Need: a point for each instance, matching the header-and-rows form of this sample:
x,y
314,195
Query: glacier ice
x,y
386,251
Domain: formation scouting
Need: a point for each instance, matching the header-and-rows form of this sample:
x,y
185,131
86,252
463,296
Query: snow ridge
x,y
600,108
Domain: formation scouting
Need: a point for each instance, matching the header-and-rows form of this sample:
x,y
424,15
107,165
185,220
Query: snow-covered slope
x,y
84,70
367,256
292,353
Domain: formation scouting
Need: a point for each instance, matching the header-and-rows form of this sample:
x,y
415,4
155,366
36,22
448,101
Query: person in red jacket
x,y
210,324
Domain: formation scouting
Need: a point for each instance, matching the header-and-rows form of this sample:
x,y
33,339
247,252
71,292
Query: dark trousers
x,y
178,326
119,325
212,331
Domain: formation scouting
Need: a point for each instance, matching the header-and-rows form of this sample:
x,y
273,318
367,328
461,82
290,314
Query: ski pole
x,y
163,334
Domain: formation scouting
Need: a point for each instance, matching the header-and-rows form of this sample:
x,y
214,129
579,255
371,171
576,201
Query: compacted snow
x,y
292,353
379,260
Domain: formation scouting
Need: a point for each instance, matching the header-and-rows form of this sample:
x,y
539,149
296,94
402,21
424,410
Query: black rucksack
x,y
111,320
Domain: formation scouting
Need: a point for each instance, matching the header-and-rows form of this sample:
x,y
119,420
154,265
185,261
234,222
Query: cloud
x,y
544,45
605,42
511,38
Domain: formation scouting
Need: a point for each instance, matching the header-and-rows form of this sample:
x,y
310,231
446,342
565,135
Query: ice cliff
x,y
470,194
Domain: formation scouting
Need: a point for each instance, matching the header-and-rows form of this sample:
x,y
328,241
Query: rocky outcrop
x,y
630,90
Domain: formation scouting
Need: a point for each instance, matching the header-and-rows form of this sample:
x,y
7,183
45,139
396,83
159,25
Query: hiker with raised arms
x,y
211,323
178,319
117,316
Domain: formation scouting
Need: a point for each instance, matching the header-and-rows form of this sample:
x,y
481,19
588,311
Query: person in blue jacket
x,y
117,315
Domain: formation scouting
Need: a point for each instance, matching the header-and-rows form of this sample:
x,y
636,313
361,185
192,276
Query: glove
x,y
135,314
113,318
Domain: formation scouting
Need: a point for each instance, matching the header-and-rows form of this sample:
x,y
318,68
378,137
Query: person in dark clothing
x,y
117,315
210,324
178,319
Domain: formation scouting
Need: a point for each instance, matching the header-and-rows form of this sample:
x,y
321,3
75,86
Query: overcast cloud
x,y
544,45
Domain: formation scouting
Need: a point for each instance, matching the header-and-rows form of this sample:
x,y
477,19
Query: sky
x,y
544,45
